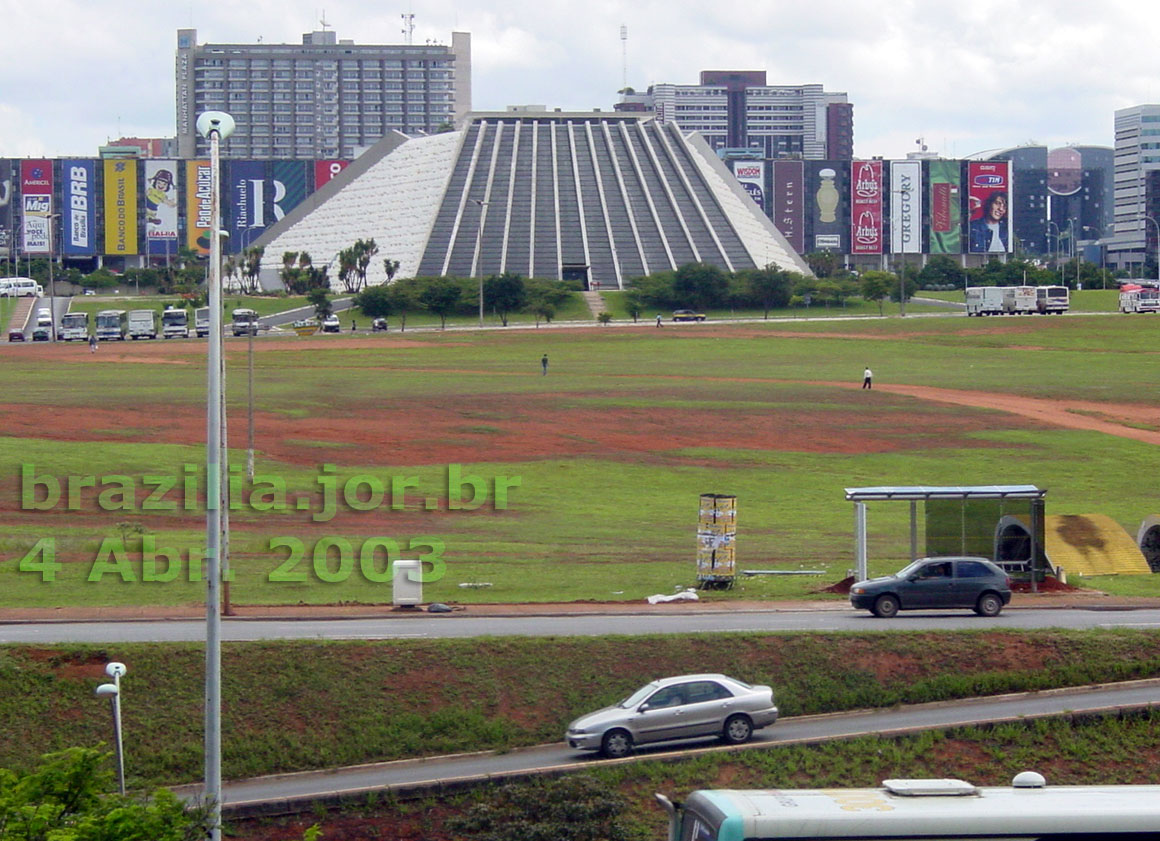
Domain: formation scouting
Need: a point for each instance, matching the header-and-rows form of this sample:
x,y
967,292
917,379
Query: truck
x,y
245,322
74,325
1051,300
112,324
1135,297
201,322
142,324
985,300
174,323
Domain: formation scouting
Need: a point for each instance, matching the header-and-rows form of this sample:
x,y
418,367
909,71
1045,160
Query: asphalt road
x,y
283,792
460,625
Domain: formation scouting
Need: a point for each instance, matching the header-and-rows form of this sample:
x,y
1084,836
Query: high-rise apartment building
x,y
1137,156
321,99
737,110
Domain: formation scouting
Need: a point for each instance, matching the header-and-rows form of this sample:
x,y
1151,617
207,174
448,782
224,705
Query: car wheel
x,y
886,606
988,604
616,744
737,730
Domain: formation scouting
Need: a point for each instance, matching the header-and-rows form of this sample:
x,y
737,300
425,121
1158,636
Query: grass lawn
x,y
603,460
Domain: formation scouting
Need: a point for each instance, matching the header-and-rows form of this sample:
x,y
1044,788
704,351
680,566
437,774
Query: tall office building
x,y
1137,155
737,110
322,99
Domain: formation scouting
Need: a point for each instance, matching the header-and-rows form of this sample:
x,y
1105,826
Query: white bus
x,y
201,321
175,323
74,325
1136,297
1028,810
1052,300
245,322
112,324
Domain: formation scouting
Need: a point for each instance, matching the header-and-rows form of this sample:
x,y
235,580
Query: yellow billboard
x,y
120,206
198,205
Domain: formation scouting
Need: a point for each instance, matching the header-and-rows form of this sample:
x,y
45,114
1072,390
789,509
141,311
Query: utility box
x,y
407,583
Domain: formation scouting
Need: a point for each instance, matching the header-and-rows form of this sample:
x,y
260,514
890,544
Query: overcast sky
x,y
966,76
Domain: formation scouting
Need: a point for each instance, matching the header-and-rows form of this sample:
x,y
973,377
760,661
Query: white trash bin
x,y
407,583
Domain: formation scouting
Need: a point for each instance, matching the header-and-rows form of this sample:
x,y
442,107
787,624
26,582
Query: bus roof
x,y
959,811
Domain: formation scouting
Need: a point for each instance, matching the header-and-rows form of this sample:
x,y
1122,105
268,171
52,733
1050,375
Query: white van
x,y
44,317
21,287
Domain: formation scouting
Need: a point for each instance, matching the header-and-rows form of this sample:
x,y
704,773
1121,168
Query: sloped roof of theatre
x,y
556,194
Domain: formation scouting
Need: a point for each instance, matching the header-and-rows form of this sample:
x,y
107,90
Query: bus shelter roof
x,y
925,492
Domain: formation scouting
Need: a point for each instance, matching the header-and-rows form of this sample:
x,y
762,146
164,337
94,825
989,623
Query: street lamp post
x,y
51,281
112,691
214,126
1053,251
479,252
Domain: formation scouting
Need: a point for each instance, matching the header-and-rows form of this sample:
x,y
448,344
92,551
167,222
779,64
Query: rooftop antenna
x,y
624,57
408,27
921,142
322,20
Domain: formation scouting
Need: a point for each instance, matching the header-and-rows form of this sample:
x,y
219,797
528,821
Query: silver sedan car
x,y
685,707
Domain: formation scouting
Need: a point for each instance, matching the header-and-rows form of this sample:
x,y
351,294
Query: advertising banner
x,y
326,170
989,194
829,206
789,200
946,211
7,191
905,207
198,205
79,180
751,174
289,186
121,207
161,207
866,207
246,208
36,198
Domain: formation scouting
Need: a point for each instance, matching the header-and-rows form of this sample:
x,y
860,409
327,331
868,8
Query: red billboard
x,y
866,207
36,195
989,194
326,170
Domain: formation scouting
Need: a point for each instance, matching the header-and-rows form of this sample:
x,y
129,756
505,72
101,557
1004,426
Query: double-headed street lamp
x,y
112,691
214,126
479,252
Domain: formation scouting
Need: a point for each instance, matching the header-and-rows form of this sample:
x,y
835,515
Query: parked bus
x,y
1135,297
175,323
1028,810
74,325
201,321
245,322
112,324
142,324
1051,300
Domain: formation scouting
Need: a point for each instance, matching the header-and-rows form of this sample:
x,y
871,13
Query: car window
x,y
705,690
670,696
974,569
937,570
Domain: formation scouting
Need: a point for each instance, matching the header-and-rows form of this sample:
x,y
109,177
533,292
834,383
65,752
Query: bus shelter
x,y
958,520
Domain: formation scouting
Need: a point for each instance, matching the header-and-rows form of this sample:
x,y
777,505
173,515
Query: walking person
x,y
544,364
867,378
658,319
93,343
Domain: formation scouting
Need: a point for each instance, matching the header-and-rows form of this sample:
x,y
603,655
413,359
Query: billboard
x,y
751,174
326,170
946,210
161,199
121,206
989,194
905,207
7,192
198,205
789,200
78,193
827,199
289,186
36,199
866,236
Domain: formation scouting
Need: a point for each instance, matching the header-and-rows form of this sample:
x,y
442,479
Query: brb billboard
x,y
866,207
79,179
989,194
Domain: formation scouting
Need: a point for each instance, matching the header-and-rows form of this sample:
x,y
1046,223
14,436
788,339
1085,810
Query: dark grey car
x,y
936,583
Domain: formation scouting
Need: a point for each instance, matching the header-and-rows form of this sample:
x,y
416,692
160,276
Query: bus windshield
x,y
174,317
